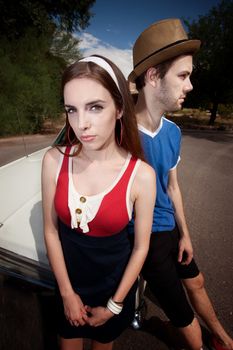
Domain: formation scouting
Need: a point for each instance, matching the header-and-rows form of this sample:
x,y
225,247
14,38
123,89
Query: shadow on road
x,y
211,135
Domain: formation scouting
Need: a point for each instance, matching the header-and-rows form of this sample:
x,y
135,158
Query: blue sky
x,y
115,25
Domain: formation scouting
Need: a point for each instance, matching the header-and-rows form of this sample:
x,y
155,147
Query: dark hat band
x,y
163,48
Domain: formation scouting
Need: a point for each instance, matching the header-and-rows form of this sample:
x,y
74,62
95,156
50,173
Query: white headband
x,y
104,64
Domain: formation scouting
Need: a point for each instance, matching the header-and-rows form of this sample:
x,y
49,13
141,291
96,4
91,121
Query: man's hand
x,y
97,316
185,254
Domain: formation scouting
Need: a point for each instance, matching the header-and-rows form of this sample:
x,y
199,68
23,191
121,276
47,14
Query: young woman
x,y
90,185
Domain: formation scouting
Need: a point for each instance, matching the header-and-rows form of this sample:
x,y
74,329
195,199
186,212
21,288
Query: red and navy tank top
x,y
104,214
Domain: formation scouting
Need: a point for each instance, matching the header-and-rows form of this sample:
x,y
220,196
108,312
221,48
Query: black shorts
x,y
163,274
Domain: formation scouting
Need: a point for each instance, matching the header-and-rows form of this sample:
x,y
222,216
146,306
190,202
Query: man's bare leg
x,y
192,335
204,308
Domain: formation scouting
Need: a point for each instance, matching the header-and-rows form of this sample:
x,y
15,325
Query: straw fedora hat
x,y
161,41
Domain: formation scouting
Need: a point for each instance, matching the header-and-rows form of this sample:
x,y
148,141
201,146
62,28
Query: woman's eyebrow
x,y
69,106
94,102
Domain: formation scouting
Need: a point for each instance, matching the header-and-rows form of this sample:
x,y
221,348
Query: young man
x,y
163,63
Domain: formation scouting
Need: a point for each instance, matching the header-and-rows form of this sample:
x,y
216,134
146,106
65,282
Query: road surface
x,y
16,147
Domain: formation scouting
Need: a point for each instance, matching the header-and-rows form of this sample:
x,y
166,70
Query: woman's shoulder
x,y
145,172
145,182
52,156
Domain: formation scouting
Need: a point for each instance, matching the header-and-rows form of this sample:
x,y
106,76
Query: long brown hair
x,y
122,99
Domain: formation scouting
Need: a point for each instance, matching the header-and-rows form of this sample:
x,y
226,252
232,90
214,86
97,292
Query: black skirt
x,y
95,266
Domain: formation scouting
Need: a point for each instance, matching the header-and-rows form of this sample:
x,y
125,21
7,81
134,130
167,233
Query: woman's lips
x,y
87,138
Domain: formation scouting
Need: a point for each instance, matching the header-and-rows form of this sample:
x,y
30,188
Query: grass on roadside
x,y
199,119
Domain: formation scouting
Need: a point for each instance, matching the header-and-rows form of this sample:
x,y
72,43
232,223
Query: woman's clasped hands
x,y
79,315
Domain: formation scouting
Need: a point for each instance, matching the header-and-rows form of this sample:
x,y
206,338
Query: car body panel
x,y
22,247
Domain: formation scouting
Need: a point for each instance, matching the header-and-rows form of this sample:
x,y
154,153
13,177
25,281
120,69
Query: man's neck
x,y
147,113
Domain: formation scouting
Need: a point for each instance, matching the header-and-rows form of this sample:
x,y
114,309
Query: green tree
x,y
30,85
36,43
69,15
65,46
213,73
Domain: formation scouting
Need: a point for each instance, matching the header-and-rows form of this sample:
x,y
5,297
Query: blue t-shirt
x,y
162,151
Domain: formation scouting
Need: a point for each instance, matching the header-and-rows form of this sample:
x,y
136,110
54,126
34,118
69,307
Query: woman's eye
x,y
96,108
70,110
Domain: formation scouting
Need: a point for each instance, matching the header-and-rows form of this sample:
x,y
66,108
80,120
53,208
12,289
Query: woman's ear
x,y
119,114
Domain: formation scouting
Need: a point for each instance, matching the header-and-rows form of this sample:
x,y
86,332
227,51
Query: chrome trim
x,y
20,267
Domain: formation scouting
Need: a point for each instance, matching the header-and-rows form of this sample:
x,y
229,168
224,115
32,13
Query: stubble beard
x,y
170,103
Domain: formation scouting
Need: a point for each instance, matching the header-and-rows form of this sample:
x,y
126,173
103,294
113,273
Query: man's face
x,y
173,88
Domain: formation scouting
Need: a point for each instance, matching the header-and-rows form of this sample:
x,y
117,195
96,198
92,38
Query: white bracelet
x,y
114,307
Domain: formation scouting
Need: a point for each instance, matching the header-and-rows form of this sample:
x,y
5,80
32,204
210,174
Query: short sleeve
x,y
176,140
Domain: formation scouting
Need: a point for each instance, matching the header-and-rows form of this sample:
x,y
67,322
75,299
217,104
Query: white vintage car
x,y
22,248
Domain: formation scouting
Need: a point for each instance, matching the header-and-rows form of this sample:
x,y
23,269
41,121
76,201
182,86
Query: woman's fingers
x,y
77,322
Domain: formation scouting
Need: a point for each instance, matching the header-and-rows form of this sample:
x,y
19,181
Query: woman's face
x,y
91,112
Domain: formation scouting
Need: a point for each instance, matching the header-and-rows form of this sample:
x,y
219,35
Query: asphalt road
x,y
13,148
206,179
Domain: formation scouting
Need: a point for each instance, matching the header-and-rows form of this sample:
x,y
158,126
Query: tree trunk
x,y
213,113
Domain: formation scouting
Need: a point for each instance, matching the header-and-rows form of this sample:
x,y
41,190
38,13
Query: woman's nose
x,y
83,122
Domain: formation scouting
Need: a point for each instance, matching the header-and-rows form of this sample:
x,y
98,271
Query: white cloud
x,y
88,41
91,45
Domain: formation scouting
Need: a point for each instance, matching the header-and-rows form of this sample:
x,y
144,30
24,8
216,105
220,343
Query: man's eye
x,y
183,76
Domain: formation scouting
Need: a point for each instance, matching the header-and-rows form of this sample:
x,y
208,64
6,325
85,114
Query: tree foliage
x,y
65,46
213,73
36,44
30,84
69,15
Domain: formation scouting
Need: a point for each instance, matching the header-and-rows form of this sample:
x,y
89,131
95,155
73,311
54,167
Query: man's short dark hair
x,y
161,70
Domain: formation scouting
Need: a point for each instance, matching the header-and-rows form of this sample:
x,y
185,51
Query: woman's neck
x,y
110,153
